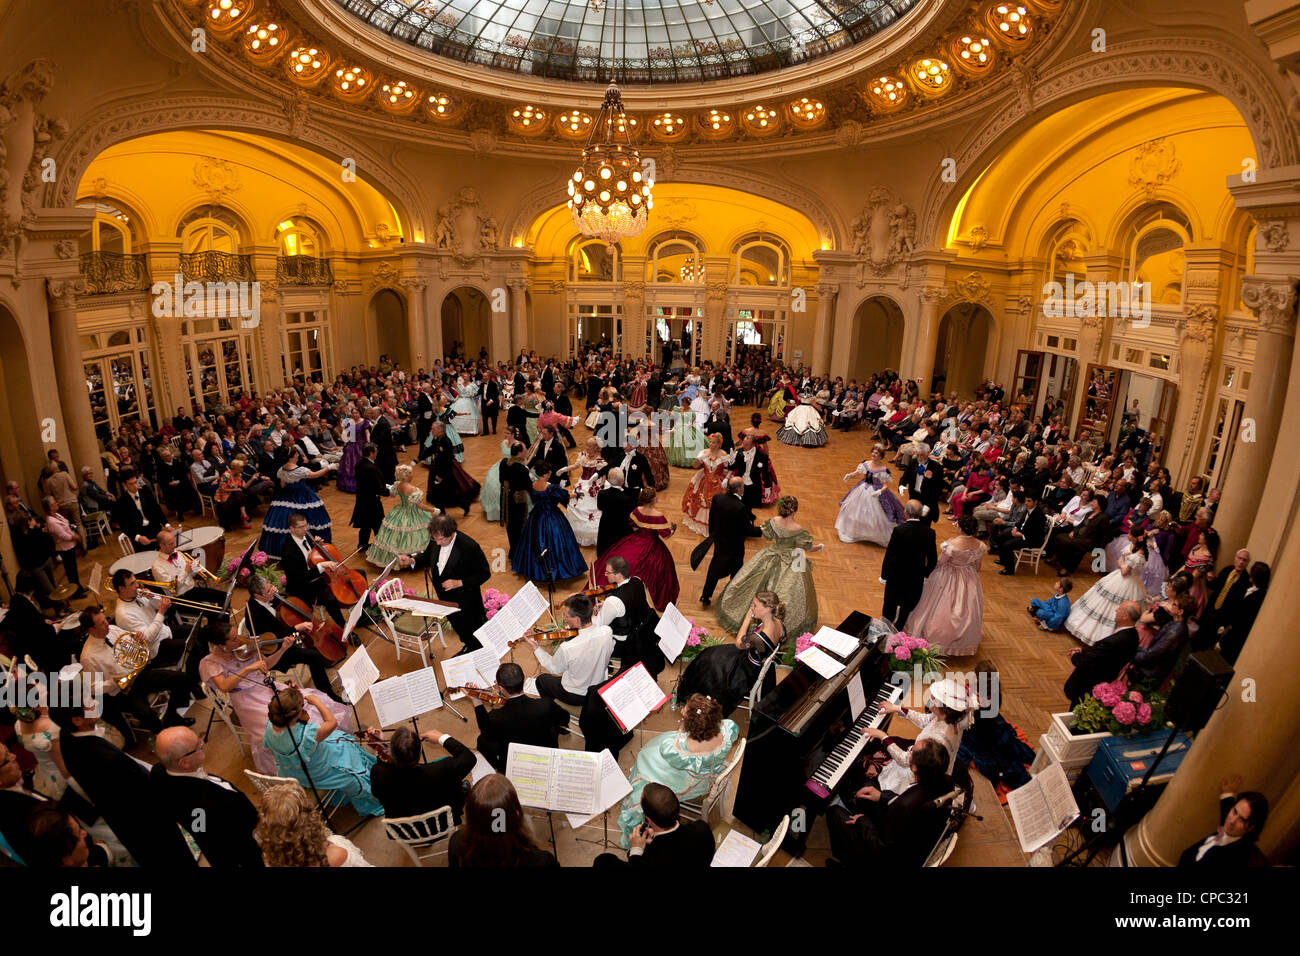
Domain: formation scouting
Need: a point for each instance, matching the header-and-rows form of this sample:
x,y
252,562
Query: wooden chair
x,y
423,837
771,846
331,799
409,632
1035,555
701,809
125,544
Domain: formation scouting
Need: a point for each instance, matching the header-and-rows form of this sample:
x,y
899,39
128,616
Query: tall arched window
x,y
760,260
676,257
593,260
300,236
1159,234
110,232
210,229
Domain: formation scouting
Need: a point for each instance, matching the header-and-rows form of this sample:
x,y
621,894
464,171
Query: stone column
x,y
927,335
1252,734
416,321
1274,303
1196,334
81,444
634,320
826,294
715,322
518,314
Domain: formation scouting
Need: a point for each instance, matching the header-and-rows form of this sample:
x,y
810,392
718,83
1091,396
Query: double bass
x,y
346,584
326,637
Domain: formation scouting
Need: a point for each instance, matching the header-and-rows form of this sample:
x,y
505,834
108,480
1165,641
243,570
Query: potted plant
x,y
1117,709
494,600
259,563
907,653
697,640
801,644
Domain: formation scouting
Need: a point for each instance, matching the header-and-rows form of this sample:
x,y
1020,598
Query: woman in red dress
x,y
711,471
645,551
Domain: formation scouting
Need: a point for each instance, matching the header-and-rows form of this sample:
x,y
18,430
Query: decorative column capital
x,y
63,293
717,291
1198,324
414,283
932,294
826,290
517,283
1273,301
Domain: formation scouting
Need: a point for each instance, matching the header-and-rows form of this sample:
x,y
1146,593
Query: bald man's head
x,y
176,748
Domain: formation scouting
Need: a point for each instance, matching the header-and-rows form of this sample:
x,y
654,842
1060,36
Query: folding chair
x,y
330,799
1035,555
222,708
409,632
429,832
771,846
701,809
96,522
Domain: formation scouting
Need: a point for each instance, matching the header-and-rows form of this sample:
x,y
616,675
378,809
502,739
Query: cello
x,y
346,584
326,637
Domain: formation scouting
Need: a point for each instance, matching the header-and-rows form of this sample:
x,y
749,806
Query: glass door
x,y
1029,379
1096,416
1223,441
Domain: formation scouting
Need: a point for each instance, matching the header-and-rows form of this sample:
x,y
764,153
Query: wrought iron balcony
x,y
216,267
107,273
303,270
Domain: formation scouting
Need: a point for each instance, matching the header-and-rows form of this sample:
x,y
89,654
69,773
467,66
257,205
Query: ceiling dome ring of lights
x,y
657,41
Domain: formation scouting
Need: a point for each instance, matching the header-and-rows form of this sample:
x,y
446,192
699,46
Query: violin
x,y
598,591
325,637
373,740
563,634
346,584
478,693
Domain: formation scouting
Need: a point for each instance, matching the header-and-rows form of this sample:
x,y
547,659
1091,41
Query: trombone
x,y
167,589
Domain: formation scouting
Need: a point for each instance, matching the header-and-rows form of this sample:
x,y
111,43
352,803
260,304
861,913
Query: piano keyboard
x,y
839,760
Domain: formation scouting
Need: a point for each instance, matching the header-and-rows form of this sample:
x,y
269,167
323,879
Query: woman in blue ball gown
x,y
294,495
547,529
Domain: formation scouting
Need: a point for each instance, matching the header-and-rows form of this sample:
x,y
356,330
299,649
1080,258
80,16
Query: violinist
x,y
409,787
263,618
579,662
304,581
519,719
631,617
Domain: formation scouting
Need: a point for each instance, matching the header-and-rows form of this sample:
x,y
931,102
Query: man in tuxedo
x,y
548,378
269,461
1102,662
1233,632
1231,847
752,466
515,482
444,491
633,464
381,436
423,416
459,571
632,618
368,510
519,719
491,402
1028,532
174,481
409,787
731,521
216,814
137,513
550,450
564,406
719,423
118,786
894,831
924,483
909,558
616,503
520,381
263,619
302,580
663,840
1067,550
1227,590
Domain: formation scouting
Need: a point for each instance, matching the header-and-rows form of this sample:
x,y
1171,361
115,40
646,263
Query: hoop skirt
x,y
405,531
772,569
490,498
803,426
647,556
950,614
347,474
467,420
778,404
654,454
583,515
295,495
546,529
1093,616
698,497
685,441
870,511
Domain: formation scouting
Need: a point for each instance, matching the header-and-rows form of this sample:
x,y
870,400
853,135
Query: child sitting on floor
x,y
1051,614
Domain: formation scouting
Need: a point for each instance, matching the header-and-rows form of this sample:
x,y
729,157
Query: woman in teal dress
x,y
686,440
406,526
687,761
782,567
334,760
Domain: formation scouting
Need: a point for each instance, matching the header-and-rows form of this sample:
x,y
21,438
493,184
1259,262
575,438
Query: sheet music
x,y
857,696
357,674
614,786
554,779
405,696
632,696
820,661
736,850
420,608
673,629
512,620
1042,808
480,769
96,578
837,642
478,668
353,617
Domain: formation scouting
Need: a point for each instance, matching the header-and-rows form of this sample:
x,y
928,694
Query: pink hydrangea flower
x,y
1105,693
902,653
693,639
1144,713
1125,713
283,579
1135,697
244,572
409,592
259,558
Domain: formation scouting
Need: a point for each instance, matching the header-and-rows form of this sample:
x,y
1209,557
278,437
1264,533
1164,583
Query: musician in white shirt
x,y
944,721
144,612
580,661
175,567
99,662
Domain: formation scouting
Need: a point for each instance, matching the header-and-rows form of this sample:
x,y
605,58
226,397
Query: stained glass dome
x,y
658,41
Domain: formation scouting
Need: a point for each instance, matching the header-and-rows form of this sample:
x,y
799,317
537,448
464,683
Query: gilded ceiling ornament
x,y
483,141
850,133
1275,235
676,212
297,111
666,164
885,231
385,274
1153,165
217,178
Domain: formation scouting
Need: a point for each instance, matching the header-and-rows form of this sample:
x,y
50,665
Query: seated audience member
x,y
494,833
1051,613
184,787
1232,846
56,840
1155,662
408,787
898,830
292,832
580,661
1102,662
520,719
663,840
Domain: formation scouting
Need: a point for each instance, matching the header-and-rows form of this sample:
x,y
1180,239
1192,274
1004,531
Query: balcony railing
x,y
303,270
216,267
107,273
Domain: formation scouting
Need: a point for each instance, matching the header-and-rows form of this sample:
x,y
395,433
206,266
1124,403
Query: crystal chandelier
x,y
692,269
609,194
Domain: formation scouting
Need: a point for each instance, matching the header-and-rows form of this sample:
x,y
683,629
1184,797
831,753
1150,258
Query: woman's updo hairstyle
x,y
770,600
701,717
787,505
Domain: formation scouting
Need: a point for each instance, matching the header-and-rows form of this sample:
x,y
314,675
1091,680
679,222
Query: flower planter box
x,y
1072,749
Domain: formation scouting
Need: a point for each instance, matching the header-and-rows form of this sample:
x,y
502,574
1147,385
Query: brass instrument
x,y
182,602
131,651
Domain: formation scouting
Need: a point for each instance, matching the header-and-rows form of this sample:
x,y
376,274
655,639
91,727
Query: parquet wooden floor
x,y
1032,664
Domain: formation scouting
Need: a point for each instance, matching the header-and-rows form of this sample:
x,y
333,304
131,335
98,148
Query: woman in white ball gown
x,y
583,515
804,425
870,511
1093,616
950,614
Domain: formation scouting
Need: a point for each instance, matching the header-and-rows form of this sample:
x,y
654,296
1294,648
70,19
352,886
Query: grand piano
x,y
805,734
